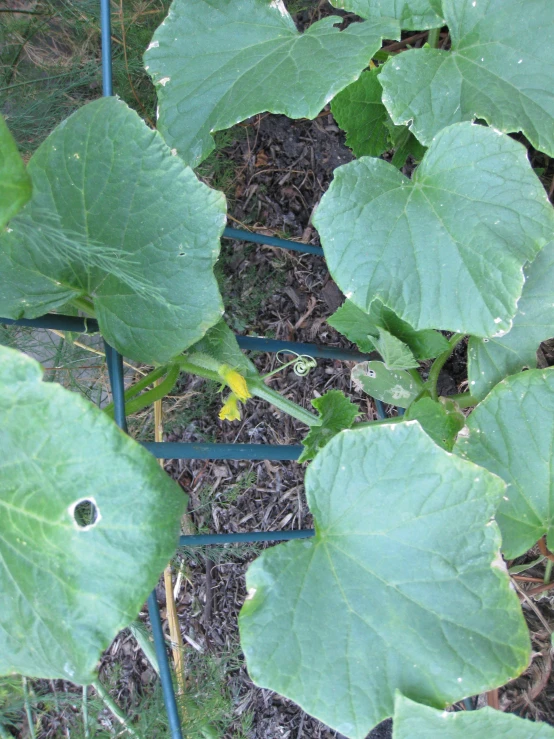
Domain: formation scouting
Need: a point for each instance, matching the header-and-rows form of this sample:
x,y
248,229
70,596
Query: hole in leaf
x,y
371,373
85,513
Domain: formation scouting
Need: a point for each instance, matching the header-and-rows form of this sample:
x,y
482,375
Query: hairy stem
x,y
84,304
464,400
28,711
260,390
439,363
138,387
548,571
150,396
114,708
434,37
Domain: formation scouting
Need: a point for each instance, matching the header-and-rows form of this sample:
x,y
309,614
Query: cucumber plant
x,y
401,603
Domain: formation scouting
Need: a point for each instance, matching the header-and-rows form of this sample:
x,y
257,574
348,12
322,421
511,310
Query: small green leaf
x,y
446,249
358,110
500,69
15,183
490,360
511,433
361,328
116,217
516,569
395,387
398,590
413,14
69,582
415,721
220,344
218,62
337,413
441,420
356,324
396,355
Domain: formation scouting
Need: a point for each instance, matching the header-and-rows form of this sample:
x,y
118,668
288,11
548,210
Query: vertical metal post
x,y
106,32
114,361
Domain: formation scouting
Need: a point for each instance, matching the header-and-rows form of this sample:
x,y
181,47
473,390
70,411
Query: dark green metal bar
x,y
260,344
202,539
249,343
106,31
77,324
240,235
114,360
178,450
163,664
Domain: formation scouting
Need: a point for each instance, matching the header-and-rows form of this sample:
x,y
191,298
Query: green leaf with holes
x,y
442,420
511,433
70,584
490,360
337,413
15,183
445,249
218,62
399,589
396,387
115,217
415,721
500,69
412,14
362,327
395,354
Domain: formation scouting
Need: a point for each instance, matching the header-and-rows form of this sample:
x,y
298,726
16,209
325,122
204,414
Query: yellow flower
x,y
236,382
230,411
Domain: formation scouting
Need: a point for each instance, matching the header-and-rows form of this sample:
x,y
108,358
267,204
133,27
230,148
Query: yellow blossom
x,y
236,382
230,411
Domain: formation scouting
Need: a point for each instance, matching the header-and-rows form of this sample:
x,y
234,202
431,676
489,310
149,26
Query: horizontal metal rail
x,y
240,235
182,450
199,540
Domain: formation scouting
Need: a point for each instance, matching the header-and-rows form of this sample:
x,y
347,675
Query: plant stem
x,y
85,711
439,363
135,389
84,304
114,708
548,571
28,711
158,392
260,390
433,37
464,400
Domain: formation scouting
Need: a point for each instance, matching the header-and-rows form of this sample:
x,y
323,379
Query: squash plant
x,y
401,603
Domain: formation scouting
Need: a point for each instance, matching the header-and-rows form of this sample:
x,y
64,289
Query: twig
x,y
95,351
177,647
401,44
533,607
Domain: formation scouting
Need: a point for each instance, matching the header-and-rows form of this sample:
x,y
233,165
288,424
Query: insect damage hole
x,y
85,513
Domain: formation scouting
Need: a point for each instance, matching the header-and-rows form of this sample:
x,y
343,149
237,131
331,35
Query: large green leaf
x,y
400,589
446,249
412,14
68,587
218,62
501,69
511,433
415,721
490,360
337,413
115,216
15,183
